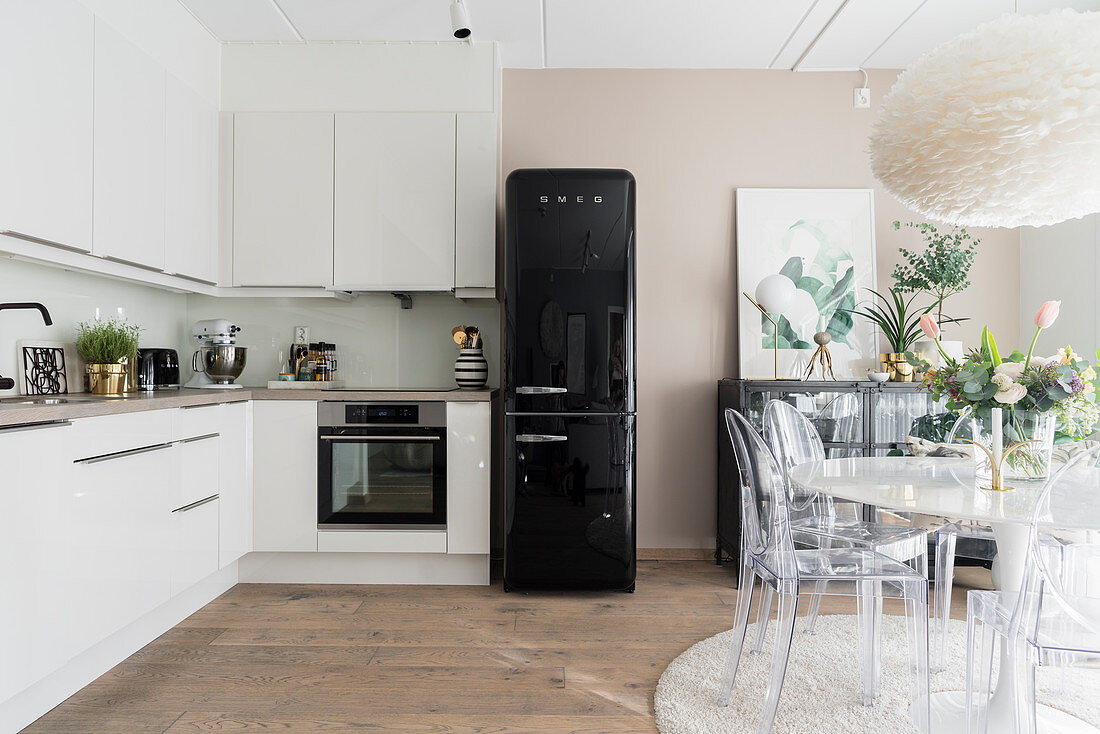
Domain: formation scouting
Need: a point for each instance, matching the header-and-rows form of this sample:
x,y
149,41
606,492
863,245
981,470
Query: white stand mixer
x,y
218,360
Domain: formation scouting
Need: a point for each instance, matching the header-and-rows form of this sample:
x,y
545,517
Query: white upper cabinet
x,y
395,201
129,171
282,199
476,200
46,121
190,202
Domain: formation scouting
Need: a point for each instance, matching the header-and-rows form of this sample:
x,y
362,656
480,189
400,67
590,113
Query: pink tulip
x,y
929,326
1048,312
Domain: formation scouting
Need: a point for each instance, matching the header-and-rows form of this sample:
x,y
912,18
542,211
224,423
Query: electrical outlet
x,y
301,335
861,100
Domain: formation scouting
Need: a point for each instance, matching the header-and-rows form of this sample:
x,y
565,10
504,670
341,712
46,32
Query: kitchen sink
x,y
50,400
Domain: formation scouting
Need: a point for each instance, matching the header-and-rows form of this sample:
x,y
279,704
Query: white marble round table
x,y
948,488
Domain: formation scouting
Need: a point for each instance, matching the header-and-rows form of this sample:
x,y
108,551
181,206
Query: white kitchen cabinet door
x,y
128,173
469,463
36,603
476,200
235,504
282,199
46,51
118,528
284,446
191,187
395,201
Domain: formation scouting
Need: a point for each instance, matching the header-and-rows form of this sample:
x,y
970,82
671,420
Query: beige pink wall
x,y
691,137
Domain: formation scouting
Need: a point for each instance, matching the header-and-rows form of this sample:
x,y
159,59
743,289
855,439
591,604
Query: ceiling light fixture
x,y
999,127
460,19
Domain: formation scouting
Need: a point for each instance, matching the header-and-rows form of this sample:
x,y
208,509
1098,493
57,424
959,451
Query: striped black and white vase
x,y
471,369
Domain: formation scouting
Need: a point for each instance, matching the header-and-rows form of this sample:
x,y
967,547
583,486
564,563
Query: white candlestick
x,y
998,438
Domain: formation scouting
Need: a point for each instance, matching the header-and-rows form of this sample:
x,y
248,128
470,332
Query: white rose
x,y
1011,370
1041,362
1001,381
1014,393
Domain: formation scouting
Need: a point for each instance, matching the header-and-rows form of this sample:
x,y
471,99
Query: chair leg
x,y
945,575
763,612
980,641
916,615
815,607
784,633
876,641
865,606
1025,686
746,583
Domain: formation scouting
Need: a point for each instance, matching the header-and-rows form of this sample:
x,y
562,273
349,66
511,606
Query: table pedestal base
x,y
949,717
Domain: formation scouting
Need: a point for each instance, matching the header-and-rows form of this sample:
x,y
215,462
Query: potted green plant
x,y
109,349
941,270
899,321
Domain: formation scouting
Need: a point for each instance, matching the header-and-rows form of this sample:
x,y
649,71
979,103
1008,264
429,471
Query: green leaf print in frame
x,y
829,280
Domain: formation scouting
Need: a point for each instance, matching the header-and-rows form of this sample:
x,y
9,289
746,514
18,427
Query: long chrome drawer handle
x,y
34,426
198,438
193,505
367,439
122,454
539,438
537,390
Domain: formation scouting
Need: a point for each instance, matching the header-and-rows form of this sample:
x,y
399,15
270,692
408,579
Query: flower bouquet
x,y
1035,398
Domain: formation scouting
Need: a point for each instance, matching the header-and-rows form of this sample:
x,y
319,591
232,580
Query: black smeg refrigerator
x,y
568,380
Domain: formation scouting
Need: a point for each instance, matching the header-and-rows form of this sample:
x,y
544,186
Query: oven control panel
x,y
387,414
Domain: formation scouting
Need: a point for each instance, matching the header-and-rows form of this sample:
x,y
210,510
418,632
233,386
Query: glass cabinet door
x,y
837,415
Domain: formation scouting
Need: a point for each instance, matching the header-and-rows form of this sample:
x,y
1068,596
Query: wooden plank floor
x,y
305,658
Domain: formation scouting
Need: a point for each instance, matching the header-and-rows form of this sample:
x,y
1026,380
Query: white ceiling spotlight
x,y
999,127
460,19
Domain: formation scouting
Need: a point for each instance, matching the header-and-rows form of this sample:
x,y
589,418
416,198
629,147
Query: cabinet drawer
x,y
109,434
195,543
200,470
200,420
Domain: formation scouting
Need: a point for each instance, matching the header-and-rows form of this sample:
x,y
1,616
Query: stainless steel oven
x,y
381,465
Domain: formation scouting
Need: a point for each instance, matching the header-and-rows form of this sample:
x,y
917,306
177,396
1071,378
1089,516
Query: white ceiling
x,y
743,34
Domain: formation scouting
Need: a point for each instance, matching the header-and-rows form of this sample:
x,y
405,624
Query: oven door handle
x,y
366,438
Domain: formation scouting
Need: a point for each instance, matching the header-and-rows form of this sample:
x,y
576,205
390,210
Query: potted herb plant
x,y
941,270
108,349
899,321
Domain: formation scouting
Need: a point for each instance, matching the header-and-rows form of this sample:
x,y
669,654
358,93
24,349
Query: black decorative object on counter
x,y
44,370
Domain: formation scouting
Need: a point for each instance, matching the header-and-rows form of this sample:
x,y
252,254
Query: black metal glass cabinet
x,y
853,418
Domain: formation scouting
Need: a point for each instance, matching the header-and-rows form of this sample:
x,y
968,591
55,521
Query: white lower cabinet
x,y
194,543
469,463
116,522
284,439
35,600
235,462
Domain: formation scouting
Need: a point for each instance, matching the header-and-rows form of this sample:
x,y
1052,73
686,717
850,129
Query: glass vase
x,y
1029,462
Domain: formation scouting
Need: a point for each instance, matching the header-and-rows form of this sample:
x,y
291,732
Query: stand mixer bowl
x,y
222,363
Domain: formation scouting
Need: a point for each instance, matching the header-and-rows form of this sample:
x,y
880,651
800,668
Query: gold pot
x,y
107,379
898,366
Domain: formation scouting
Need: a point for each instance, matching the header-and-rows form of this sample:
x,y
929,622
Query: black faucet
x,y
7,383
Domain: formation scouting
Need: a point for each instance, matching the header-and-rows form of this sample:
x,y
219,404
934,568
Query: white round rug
x,y
822,684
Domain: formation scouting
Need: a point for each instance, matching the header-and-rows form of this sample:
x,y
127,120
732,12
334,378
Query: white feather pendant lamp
x,y
999,127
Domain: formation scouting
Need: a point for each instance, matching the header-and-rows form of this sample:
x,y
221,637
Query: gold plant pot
x,y
107,379
898,366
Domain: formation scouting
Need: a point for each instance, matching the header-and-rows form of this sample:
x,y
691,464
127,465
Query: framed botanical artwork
x,y
823,240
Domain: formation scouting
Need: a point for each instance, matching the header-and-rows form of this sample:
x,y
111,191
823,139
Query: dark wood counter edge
x,y
16,415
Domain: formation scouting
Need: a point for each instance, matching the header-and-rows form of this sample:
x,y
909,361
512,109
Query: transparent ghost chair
x,y
978,542
815,523
768,553
1054,619
838,422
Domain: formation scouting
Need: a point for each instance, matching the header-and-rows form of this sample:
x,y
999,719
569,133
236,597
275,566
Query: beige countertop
x,y
17,411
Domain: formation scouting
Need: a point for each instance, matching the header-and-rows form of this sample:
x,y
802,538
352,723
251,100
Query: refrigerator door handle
x,y
538,390
539,438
